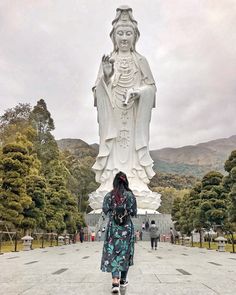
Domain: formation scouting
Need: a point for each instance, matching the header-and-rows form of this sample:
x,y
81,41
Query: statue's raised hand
x,y
108,67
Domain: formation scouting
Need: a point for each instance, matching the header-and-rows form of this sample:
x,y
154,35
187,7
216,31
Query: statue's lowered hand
x,y
108,67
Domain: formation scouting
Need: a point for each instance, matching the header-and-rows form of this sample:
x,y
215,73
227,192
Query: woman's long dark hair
x,y
120,184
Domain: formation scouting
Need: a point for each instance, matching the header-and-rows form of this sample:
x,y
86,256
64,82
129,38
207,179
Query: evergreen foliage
x,y
14,121
15,166
81,178
42,188
213,206
185,223
175,212
36,190
230,185
204,207
168,196
45,143
172,180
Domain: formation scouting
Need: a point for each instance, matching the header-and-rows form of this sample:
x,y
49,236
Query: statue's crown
x,y
124,17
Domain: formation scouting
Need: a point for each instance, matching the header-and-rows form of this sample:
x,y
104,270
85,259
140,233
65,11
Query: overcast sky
x,y
52,50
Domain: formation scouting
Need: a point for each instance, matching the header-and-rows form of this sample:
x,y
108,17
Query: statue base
x,y
139,211
163,221
147,201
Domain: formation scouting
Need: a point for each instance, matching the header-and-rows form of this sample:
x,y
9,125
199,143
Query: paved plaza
x,y
74,269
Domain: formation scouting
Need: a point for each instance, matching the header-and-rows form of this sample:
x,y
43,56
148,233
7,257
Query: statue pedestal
x,y
139,211
163,221
147,201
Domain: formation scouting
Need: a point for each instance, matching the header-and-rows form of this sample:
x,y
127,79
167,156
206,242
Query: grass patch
x,y
9,247
214,246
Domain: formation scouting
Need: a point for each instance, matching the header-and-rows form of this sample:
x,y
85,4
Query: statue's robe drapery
x,y
108,127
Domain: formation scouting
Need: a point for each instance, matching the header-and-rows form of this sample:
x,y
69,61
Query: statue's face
x,y
124,37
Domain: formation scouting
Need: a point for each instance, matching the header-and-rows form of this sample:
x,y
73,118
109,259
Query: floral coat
x,y
118,249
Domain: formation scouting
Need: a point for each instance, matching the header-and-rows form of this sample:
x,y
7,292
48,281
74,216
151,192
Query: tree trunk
x,y
232,235
209,241
200,238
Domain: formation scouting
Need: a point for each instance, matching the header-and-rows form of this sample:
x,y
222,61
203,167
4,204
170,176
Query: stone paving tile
x,y
227,286
72,289
150,275
181,288
16,288
174,278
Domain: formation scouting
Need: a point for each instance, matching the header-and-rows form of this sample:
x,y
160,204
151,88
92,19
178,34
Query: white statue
x,y
124,95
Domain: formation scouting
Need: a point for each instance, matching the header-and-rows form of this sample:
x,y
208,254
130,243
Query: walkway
x,y
74,269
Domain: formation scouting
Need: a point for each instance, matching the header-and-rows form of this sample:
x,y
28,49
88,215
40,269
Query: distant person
x,y
118,250
103,229
143,226
153,230
141,235
93,236
81,235
99,235
147,225
137,234
172,236
74,238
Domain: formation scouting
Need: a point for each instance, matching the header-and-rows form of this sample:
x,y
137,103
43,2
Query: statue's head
x,y
125,32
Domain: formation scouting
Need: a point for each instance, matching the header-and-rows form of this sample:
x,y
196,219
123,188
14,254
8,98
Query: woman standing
x,y
118,250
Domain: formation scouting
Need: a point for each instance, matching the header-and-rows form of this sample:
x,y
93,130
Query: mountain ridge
x,y
193,160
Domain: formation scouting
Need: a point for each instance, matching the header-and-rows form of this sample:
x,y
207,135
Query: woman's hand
x,y
108,67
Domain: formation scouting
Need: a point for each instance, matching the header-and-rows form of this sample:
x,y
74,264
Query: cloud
x,y
52,50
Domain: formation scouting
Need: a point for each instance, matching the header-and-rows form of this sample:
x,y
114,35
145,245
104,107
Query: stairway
x,y
163,222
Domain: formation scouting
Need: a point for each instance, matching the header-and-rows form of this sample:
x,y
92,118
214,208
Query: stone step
x,y
163,221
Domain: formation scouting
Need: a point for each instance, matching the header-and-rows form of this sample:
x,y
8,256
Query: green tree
x,y
175,212
189,214
185,224
35,213
172,180
81,178
13,121
15,166
168,195
61,209
213,207
46,146
229,183
35,187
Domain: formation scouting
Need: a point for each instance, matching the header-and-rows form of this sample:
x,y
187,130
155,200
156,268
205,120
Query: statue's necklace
x,y
126,67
